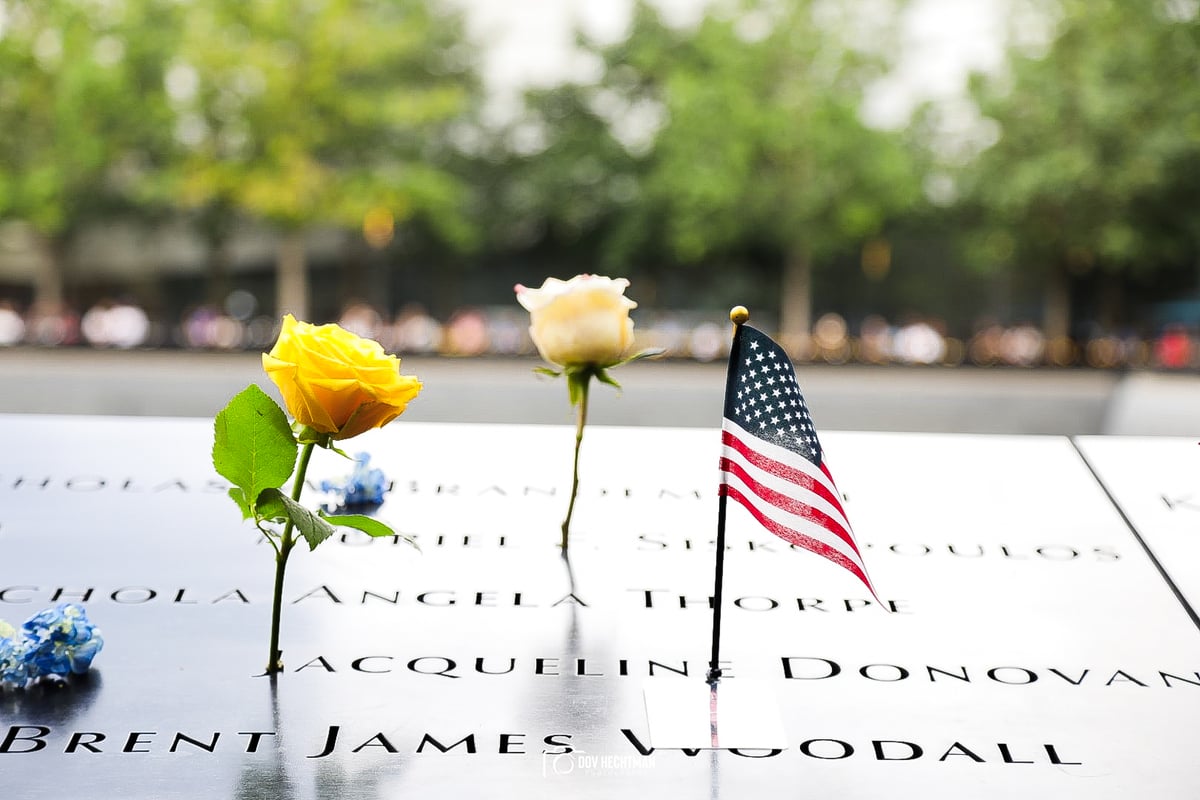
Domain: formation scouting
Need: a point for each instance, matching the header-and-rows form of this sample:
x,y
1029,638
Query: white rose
x,y
581,321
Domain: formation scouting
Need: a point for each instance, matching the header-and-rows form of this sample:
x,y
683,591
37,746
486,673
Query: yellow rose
x,y
581,321
336,382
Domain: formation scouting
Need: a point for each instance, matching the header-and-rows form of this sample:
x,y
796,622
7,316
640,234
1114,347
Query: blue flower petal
x,y
50,645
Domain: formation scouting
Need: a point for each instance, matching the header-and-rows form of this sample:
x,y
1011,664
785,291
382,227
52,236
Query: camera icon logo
x,y
559,763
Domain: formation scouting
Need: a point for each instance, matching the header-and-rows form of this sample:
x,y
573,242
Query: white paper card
x,y
728,716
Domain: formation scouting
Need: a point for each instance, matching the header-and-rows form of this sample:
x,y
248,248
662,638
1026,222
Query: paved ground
x,y
933,399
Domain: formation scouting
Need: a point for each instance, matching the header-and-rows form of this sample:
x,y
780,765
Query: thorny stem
x,y
286,543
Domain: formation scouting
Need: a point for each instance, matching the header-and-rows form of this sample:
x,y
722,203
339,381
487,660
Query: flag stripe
x,y
803,525
797,538
799,493
788,504
787,471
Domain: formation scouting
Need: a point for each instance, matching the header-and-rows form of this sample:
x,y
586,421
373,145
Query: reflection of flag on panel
x,y
771,460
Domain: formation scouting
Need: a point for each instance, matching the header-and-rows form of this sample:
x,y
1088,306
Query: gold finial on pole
x,y
739,315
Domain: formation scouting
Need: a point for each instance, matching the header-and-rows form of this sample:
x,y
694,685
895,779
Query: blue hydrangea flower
x,y
55,642
13,667
363,490
63,640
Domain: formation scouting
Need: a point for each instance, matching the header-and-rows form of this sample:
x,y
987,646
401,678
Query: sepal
x,y
577,382
649,352
308,435
603,376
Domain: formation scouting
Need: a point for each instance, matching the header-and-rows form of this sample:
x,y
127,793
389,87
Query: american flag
x,y
771,459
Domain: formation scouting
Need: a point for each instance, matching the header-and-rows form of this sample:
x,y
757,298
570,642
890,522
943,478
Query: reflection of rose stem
x,y
582,420
286,543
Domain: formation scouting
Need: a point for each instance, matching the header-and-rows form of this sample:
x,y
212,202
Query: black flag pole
x,y
739,316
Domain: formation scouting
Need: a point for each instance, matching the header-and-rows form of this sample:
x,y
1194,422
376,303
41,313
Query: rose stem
x,y
286,543
582,420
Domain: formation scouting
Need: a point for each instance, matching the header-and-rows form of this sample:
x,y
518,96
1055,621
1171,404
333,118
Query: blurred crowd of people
x,y
121,324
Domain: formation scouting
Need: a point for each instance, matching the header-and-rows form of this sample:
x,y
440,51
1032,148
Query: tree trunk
x,y
1110,311
1056,309
48,274
291,277
217,226
355,276
795,304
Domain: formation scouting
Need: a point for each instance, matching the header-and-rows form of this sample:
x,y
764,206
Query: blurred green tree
x,y
84,123
337,112
1097,162
557,180
757,141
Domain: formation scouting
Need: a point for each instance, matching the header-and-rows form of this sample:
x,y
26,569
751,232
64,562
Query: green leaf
x,y
368,525
361,522
553,373
239,497
311,526
253,445
270,506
